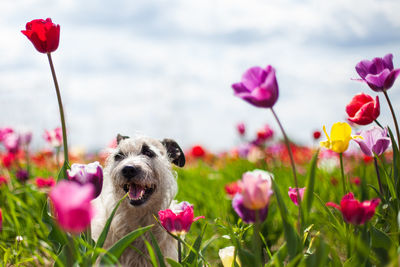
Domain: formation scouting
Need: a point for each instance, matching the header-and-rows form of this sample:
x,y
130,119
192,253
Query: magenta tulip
x,y
72,206
355,212
178,219
293,194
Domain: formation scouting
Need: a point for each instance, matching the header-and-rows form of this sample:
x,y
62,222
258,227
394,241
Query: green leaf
x,y
157,249
119,247
196,247
309,192
173,263
56,236
291,237
396,161
380,239
62,174
152,255
106,229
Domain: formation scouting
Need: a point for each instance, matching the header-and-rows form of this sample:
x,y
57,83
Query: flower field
x,y
265,202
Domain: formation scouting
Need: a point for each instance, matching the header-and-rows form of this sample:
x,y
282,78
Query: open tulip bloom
x,y
363,109
258,87
340,137
378,73
91,173
375,141
354,211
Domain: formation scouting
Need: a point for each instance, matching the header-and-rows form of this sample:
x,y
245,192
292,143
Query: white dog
x,y
142,167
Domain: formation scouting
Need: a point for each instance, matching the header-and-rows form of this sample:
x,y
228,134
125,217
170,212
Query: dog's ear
x,y
121,137
175,152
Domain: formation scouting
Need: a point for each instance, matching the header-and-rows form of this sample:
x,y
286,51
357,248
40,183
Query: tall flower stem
x,y
256,236
61,109
179,251
342,173
394,118
287,143
378,176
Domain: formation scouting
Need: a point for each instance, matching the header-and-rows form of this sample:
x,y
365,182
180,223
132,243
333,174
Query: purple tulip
x,y
378,73
375,141
22,175
248,215
26,138
258,87
91,173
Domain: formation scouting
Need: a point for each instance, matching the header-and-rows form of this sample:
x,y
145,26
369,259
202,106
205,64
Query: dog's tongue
x,y
136,191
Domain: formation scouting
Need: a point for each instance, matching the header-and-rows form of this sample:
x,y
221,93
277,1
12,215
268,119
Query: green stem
x,y
394,118
256,236
378,176
179,251
61,109
342,173
287,143
377,122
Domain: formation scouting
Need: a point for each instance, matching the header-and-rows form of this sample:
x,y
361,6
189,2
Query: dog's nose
x,y
130,171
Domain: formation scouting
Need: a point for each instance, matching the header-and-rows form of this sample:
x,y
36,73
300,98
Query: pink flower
x,y
179,218
293,194
241,128
256,186
11,142
54,137
72,206
5,131
355,212
42,182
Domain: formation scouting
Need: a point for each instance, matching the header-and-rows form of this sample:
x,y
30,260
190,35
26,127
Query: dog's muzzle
x,y
139,191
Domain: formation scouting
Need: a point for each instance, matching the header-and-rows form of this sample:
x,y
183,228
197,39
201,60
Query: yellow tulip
x,y
227,255
340,137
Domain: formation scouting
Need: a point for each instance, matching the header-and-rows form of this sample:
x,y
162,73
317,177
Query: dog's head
x,y
141,167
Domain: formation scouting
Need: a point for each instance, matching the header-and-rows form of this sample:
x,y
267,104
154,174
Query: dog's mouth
x,y
138,194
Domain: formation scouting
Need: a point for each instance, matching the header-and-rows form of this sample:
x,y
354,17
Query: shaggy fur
x,y
155,171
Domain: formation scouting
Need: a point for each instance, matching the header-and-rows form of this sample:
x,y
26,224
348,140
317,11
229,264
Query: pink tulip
x,y
72,206
293,194
355,212
178,219
54,137
256,189
241,128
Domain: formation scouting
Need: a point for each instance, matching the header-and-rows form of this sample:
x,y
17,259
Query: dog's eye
x,y
119,156
148,152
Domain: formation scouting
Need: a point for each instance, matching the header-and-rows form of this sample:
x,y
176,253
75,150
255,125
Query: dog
x,y
140,166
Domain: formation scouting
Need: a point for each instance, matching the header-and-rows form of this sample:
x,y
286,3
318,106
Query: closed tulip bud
x,y
72,206
44,34
178,219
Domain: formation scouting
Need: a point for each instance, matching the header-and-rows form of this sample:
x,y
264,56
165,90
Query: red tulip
x,y
232,189
316,135
363,109
42,182
44,35
178,219
355,212
197,151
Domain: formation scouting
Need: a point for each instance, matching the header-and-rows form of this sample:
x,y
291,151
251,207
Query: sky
x,y
165,68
